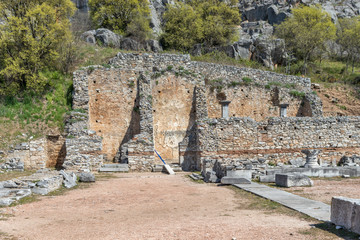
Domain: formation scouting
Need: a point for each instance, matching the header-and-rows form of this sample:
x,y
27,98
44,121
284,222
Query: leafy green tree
x,y
183,27
219,19
30,39
348,36
118,15
209,22
307,30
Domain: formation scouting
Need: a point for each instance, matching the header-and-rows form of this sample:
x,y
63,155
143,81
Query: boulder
x,y
89,36
130,44
293,180
153,46
86,177
108,38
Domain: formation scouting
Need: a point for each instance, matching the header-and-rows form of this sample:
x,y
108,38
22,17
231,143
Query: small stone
x,y
86,177
339,227
346,176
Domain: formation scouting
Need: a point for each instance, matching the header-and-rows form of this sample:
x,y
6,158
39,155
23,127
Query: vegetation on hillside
x,y
32,39
306,33
130,17
211,23
38,51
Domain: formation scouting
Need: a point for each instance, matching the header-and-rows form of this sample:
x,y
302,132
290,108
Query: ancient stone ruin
x,y
196,114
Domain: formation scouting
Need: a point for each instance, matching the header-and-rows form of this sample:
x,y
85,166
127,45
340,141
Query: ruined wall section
x,y
83,146
230,78
173,112
139,151
238,140
189,154
112,100
254,101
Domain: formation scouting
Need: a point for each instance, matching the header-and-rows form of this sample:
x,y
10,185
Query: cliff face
x,y
82,5
275,11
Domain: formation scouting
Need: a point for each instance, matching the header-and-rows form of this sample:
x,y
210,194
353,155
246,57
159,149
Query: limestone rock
x,y
210,176
293,180
86,177
69,179
130,45
108,38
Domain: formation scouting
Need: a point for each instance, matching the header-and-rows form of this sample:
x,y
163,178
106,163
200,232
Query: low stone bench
x,y
293,180
345,212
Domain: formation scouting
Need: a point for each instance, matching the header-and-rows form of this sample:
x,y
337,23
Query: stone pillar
x,y
311,158
283,108
225,109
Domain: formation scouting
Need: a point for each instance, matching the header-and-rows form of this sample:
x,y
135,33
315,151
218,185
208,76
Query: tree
x,y
118,15
305,31
219,19
183,27
348,36
30,39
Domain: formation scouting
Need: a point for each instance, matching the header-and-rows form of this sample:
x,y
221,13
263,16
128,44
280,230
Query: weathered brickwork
x,y
170,103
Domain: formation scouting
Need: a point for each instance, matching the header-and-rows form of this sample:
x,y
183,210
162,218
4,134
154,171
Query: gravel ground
x,y
151,206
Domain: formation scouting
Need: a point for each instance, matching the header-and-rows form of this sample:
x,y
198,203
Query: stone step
x,y
114,168
115,165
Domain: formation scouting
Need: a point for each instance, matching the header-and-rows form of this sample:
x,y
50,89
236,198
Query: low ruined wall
x,y
278,139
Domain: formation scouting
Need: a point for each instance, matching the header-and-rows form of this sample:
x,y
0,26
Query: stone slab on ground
x,y
345,212
239,174
319,172
315,209
169,169
233,180
293,180
267,178
121,167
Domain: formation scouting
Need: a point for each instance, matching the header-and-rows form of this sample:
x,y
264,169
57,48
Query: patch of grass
x,y
222,58
11,175
29,199
297,94
195,181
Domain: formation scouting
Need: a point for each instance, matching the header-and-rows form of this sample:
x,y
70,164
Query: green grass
x,y
10,175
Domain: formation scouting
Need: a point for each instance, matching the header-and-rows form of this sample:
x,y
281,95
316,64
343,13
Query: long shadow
x,y
189,163
341,233
134,126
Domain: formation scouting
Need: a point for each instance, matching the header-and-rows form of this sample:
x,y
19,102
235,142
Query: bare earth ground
x,y
152,206
324,189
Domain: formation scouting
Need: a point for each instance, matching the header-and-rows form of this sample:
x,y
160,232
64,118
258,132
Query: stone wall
x,y
112,99
147,101
40,153
278,139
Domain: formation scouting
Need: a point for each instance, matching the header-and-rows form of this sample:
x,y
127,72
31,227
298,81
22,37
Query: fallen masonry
x,y
42,182
345,212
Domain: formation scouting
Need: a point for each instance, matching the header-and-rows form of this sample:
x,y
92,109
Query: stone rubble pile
x,y
13,164
42,182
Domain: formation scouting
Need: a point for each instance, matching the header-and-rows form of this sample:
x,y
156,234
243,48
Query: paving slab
x,y
312,208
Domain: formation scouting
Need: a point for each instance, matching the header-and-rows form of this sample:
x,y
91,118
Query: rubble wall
x,y
278,139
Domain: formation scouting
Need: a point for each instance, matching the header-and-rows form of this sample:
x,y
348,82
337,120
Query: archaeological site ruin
x,y
196,114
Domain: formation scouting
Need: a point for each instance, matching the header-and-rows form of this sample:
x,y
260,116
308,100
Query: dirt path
x,y
148,206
